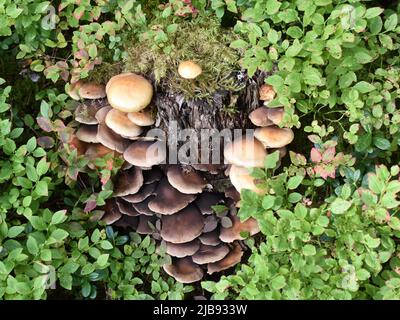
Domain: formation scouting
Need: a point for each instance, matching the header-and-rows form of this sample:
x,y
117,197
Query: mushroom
x,y
185,179
241,179
233,194
127,222
206,201
183,226
86,90
245,151
169,200
184,270
259,117
266,92
143,207
87,133
231,259
126,208
86,113
152,176
111,212
210,223
97,150
141,118
233,233
145,153
118,122
189,69
102,113
210,238
181,250
146,224
145,191
128,182
274,137
276,115
129,92
209,168
110,139
210,254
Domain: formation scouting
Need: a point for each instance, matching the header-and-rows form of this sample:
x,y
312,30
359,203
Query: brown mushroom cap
x,y
128,182
276,115
181,250
210,254
169,200
118,122
210,223
145,191
86,90
127,222
274,137
155,174
185,179
232,193
246,152
233,233
111,212
129,92
231,259
143,207
241,179
145,224
86,113
184,270
102,113
206,200
142,118
145,153
189,69
267,92
259,117
87,133
210,238
183,226
110,139
126,208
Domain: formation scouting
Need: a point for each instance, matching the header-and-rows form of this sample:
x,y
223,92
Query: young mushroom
x,y
246,152
210,254
118,122
145,153
274,137
185,179
141,118
86,90
189,69
267,92
241,179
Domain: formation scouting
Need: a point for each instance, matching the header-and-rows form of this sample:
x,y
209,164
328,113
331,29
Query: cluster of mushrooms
x,y
173,203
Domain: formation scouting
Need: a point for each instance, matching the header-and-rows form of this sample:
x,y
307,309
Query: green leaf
x,y
294,49
58,217
272,6
15,231
391,22
59,235
364,87
375,184
32,245
294,182
309,250
271,160
294,197
42,188
278,283
381,143
106,245
239,44
31,144
340,206
102,260
373,12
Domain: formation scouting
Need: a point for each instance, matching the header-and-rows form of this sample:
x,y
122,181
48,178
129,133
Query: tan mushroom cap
x,y
128,182
145,153
129,92
184,270
209,168
233,233
87,133
141,118
118,122
185,179
189,69
231,259
276,115
102,113
86,90
259,117
210,254
183,226
110,139
169,200
274,137
246,152
86,113
241,179
181,250
267,92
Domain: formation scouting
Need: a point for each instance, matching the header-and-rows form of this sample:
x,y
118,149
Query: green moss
x,y
202,40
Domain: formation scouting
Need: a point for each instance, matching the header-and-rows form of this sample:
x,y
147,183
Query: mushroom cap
x,y
118,122
210,168
183,226
181,250
145,153
210,238
129,92
128,182
189,69
246,152
102,113
241,179
210,223
86,90
210,254
232,193
232,258
155,174
259,117
274,137
185,179
141,118
206,200
86,113
145,191
110,139
267,92
144,224
126,208
169,200
87,133
127,222
111,212
143,207
233,233
80,146
276,115
184,270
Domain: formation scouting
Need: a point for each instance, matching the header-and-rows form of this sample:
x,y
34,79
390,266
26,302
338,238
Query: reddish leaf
x,y
90,205
328,154
45,124
315,155
45,142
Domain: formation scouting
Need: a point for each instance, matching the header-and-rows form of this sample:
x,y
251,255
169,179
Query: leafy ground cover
x,y
330,219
